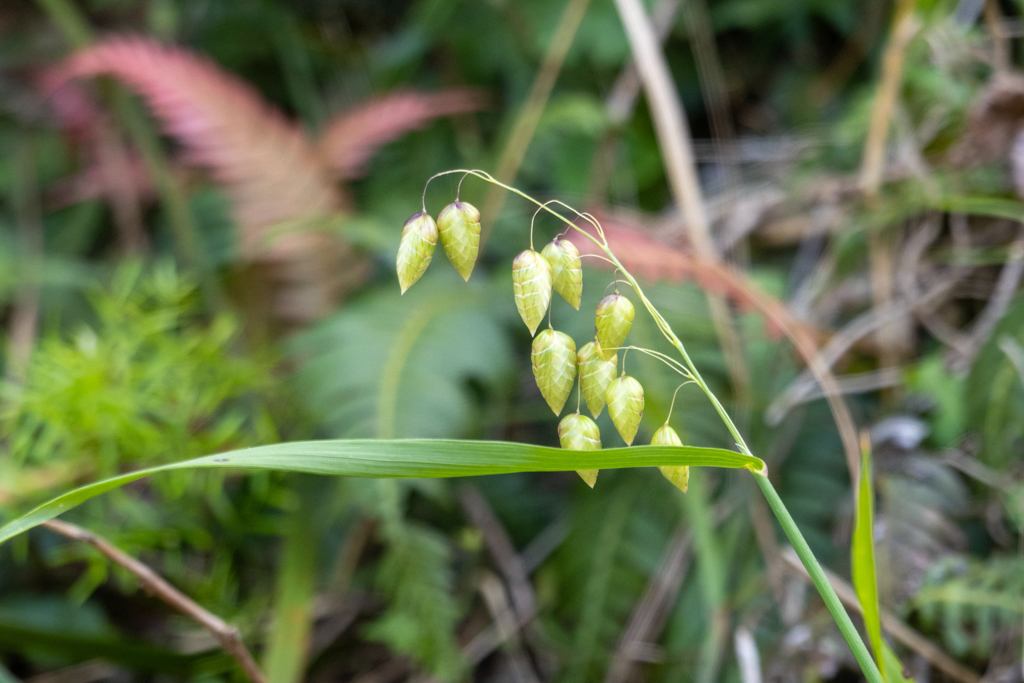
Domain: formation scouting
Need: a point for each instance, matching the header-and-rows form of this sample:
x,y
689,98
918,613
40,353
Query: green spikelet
x,y
419,239
459,227
679,475
596,373
566,270
625,399
579,433
614,319
553,357
531,282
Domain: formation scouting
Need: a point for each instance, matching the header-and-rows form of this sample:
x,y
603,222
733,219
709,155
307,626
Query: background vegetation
x,y
200,205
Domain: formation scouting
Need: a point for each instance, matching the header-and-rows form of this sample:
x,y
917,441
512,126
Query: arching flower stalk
x,y
534,276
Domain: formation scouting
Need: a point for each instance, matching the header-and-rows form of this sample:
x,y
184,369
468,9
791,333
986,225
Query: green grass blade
x,y
865,578
291,628
713,575
417,458
820,581
893,671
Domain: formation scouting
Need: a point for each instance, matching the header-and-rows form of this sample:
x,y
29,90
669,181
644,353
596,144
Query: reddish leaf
x,y
650,259
264,162
352,138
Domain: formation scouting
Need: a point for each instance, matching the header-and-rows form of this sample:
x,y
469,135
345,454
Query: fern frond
x,y
264,161
654,260
388,366
353,137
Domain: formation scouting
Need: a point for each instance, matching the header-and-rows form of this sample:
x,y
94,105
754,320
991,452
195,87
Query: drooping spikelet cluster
x,y
557,365
458,228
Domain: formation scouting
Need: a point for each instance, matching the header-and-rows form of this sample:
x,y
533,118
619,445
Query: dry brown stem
x,y
712,85
677,156
526,123
500,546
854,331
660,592
648,258
227,635
893,337
999,35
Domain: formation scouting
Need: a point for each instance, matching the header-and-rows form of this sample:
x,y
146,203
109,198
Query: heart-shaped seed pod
x,y
553,357
566,270
419,239
625,399
679,475
459,227
531,283
579,433
596,373
614,319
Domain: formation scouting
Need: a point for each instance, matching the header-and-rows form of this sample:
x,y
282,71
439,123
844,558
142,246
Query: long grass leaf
x,y
416,458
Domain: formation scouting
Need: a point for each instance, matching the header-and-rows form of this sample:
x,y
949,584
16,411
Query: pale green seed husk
x,y
613,320
566,270
531,284
625,399
596,372
419,239
579,433
459,228
553,356
679,475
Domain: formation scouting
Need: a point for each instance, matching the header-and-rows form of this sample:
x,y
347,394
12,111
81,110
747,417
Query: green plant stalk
x,y
709,564
292,624
803,551
849,631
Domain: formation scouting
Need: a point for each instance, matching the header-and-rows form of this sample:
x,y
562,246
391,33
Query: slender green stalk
x,y
853,639
291,628
803,551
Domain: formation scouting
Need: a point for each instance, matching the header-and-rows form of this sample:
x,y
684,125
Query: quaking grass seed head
x,y
578,432
419,239
553,357
566,270
613,320
596,372
459,228
531,284
625,399
679,475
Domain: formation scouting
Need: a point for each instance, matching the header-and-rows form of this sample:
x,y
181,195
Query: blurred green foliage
x,y
134,363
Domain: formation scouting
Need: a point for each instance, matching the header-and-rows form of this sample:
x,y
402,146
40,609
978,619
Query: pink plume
x,y
264,162
352,138
651,259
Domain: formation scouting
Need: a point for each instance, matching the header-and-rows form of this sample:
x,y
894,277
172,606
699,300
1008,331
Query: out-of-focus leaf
x,y
971,600
77,647
292,622
947,391
393,366
995,393
353,137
